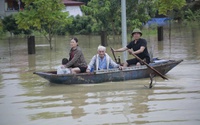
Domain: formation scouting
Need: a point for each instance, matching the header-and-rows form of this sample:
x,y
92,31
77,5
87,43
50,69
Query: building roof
x,y
72,3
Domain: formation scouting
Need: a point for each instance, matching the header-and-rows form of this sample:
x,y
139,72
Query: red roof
x,y
72,3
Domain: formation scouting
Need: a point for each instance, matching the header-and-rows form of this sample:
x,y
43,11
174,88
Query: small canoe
x,y
129,73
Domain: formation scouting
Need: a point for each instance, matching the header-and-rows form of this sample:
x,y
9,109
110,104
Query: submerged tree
x,y
43,16
192,16
106,13
166,7
139,12
80,25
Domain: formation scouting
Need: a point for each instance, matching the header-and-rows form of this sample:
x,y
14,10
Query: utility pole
x,y
124,28
19,2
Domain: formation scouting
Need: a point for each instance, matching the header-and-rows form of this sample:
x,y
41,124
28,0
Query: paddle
x,y
158,73
113,54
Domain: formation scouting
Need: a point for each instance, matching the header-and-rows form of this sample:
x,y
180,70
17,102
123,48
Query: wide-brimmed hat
x,y
137,31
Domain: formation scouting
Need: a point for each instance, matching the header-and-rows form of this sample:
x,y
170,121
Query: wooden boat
x,y
129,73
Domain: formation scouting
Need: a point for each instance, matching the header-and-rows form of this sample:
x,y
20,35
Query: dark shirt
x,y
71,55
136,46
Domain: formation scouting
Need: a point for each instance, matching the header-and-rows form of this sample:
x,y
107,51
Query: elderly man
x,y
101,61
136,47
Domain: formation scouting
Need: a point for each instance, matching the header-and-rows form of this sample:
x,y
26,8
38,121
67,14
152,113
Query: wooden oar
x,y
158,73
113,54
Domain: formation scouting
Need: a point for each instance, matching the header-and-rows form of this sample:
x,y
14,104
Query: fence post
x,y
104,38
160,33
31,45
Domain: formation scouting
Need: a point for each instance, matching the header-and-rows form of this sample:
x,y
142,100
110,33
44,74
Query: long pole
x,y
113,54
158,73
124,29
19,2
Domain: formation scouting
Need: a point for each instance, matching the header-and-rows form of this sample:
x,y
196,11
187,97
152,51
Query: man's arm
x,y
136,52
92,62
121,49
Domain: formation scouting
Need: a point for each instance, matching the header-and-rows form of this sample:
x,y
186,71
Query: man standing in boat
x,y
136,47
101,61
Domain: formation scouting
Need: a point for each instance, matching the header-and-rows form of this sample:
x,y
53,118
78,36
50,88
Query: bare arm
x,y
136,52
121,49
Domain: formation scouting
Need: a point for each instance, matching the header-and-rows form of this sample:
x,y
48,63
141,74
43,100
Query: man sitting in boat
x,y
139,48
101,61
62,69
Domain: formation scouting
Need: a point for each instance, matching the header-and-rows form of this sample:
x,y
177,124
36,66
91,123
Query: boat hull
x,y
130,73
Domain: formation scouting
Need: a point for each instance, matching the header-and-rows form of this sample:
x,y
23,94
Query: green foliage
x,y
139,13
189,14
105,12
135,23
41,14
192,16
9,24
194,5
80,25
44,16
165,6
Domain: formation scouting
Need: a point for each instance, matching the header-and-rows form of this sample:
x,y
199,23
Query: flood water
x,y
27,99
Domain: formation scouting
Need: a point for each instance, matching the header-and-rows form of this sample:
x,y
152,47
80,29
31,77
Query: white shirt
x,y
63,70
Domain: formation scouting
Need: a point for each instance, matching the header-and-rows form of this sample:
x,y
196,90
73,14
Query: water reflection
x,y
140,106
31,62
77,102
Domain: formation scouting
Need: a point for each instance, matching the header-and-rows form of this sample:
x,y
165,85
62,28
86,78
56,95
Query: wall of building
x,y
9,7
73,10
2,10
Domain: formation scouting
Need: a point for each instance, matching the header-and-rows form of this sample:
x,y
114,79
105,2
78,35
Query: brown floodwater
x,y
27,99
